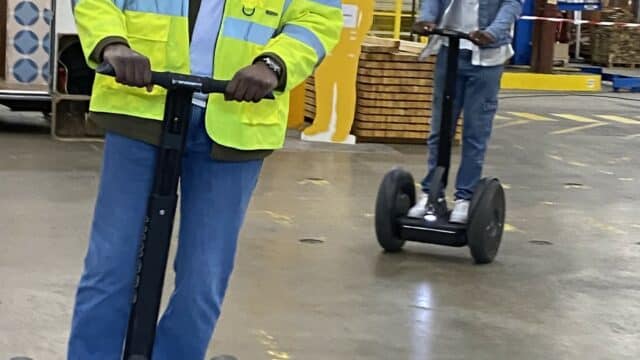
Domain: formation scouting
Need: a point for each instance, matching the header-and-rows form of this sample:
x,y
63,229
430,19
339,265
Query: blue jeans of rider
x,y
477,95
214,200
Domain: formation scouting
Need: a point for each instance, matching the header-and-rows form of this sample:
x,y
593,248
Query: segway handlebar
x,y
174,81
447,33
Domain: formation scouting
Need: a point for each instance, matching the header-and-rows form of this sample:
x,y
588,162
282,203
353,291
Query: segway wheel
x,y
397,194
486,221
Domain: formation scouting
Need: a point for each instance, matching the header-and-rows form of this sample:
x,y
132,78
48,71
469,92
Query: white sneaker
x,y
460,213
419,210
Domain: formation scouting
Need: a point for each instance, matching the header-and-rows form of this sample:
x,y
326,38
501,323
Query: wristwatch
x,y
273,65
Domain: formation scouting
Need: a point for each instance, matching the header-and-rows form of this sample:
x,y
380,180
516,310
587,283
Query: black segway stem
x,y
161,206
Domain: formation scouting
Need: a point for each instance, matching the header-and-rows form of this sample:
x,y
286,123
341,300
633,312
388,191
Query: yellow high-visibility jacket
x,y
299,32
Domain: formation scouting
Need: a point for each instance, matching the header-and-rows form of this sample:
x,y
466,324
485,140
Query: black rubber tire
x,y
396,195
486,221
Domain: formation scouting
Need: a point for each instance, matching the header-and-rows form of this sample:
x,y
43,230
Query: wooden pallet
x,y
398,111
376,80
402,89
373,95
396,65
391,73
394,134
392,126
403,57
392,104
392,119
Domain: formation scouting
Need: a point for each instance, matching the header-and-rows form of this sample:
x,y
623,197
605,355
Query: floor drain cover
x,y
540,242
311,241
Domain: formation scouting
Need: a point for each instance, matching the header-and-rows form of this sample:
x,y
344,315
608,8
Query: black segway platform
x,y
161,208
397,194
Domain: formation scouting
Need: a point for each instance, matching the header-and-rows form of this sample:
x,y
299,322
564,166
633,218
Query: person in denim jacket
x,y
490,24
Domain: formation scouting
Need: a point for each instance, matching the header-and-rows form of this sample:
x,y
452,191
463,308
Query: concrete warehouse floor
x,y
565,284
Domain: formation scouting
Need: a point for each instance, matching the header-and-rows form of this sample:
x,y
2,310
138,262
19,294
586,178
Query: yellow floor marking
x,y
578,128
530,116
619,160
513,123
626,179
511,228
272,346
506,186
619,119
576,186
606,172
631,136
607,227
317,182
549,203
577,118
501,117
279,355
279,218
574,163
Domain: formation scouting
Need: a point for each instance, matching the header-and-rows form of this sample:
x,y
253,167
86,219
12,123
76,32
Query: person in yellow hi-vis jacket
x,y
261,46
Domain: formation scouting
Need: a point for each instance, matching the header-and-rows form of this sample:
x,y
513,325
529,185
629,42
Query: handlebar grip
x,y
447,33
169,80
211,86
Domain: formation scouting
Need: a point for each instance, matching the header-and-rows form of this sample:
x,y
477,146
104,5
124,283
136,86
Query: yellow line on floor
x,y
577,118
631,136
501,117
578,128
513,123
512,229
619,119
530,116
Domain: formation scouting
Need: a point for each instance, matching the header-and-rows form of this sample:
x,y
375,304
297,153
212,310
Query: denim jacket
x,y
495,16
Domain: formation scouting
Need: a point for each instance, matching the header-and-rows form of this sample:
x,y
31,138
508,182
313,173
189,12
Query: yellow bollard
x,y
397,21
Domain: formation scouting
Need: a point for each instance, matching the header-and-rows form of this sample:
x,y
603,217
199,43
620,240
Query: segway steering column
x,y
436,206
161,207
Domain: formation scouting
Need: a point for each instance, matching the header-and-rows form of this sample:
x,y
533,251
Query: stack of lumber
x,y
394,91
615,45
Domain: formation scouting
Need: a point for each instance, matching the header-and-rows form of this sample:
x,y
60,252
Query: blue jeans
x,y
476,94
214,200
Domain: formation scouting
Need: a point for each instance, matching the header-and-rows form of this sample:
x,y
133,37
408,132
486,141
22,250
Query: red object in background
x,y
564,29
62,79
